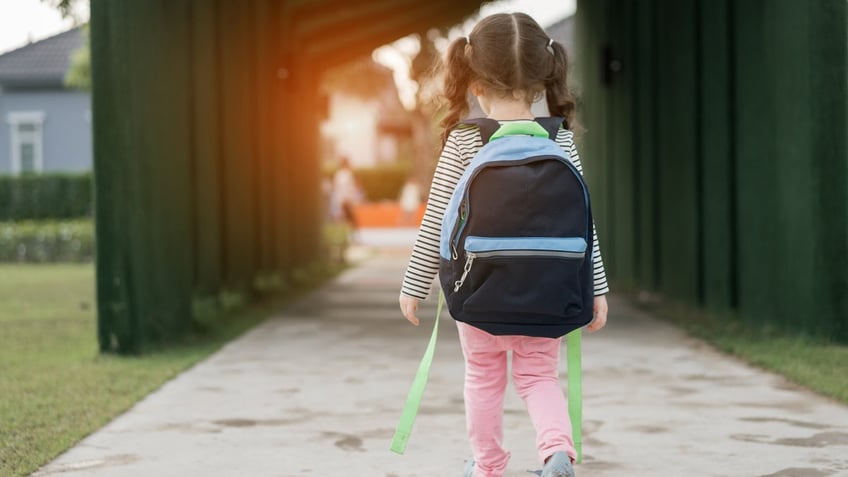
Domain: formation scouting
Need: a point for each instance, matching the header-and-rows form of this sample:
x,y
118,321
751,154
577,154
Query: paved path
x,y
317,390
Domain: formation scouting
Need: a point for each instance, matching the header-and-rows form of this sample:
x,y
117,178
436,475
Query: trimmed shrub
x,y
46,196
48,241
382,182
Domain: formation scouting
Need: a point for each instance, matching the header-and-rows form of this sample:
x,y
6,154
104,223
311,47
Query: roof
x,y
328,33
40,64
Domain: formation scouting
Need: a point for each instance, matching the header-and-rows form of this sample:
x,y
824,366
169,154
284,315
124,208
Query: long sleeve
x,y
566,139
424,262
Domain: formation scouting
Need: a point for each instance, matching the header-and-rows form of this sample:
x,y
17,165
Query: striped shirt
x,y
460,148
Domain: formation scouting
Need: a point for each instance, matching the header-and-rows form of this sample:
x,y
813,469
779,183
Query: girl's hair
x,y
507,54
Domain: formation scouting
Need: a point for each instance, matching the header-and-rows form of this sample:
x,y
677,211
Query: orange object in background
x,y
385,214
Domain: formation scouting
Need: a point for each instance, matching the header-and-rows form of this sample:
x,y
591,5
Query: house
x,y
366,121
44,126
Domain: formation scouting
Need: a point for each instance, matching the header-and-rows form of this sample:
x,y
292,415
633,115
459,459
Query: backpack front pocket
x,y
538,275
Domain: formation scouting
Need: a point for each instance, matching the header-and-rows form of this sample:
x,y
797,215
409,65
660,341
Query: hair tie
x,y
468,40
550,46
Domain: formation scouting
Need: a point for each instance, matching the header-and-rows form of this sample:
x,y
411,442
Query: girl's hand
x,y
408,306
600,314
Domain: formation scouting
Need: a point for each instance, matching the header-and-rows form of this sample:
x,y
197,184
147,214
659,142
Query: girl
x,y
506,62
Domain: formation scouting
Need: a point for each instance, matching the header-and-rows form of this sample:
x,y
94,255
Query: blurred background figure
x,y
345,195
410,202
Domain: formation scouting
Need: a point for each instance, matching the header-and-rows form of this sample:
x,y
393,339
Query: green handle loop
x,y
575,390
520,128
413,399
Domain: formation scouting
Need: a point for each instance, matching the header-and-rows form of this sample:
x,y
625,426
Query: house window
x,y
27,137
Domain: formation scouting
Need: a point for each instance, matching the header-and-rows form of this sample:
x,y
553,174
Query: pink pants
x,y
536,377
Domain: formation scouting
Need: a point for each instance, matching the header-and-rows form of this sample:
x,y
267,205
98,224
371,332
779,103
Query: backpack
x,y
516,243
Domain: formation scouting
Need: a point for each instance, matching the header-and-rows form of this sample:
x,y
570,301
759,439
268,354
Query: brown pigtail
x,y
457,80
560,101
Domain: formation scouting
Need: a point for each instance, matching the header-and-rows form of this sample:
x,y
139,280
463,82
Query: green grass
x,y
55,387
813,362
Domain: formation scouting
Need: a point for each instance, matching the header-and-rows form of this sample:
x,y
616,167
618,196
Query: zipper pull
x,y
463,214
468,261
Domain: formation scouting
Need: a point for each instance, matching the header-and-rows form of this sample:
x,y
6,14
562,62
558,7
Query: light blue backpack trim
x,y
547,244
508,148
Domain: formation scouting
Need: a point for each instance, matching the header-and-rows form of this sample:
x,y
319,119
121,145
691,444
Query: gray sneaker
x,y
558,465
469,468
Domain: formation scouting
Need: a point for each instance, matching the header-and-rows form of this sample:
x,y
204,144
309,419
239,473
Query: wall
x,y
66,133
718,156
201,163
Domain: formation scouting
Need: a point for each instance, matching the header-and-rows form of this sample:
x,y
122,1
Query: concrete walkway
x,y
317,391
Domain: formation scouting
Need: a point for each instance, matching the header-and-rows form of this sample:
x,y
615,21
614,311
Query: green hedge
x,y
382,182
46,196
48,241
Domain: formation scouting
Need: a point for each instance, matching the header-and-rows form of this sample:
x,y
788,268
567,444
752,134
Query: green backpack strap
x,y
413,399
575,390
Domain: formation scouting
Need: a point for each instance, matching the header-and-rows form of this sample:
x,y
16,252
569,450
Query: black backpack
x,y
516,243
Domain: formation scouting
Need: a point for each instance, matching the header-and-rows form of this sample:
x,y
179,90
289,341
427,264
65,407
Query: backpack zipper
x,y
550,247
469,260
463,215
